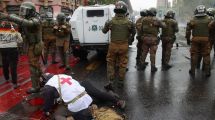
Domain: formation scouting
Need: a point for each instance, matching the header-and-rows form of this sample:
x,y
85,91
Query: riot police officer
x,y
168,37
32,28
121,29
211,12
143,13
48,37
150,29
62,31
198,26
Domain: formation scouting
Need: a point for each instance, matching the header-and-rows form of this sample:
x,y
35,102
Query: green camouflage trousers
x,y
117,57
139,51
149,45
200,48
35,68
167,44
49,44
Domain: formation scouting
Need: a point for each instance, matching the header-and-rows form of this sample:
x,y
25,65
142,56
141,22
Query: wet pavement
x,y
164,95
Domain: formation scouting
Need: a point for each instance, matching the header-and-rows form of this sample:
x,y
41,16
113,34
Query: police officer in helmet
x,y
32,29
62,31
121,30
198,28
143,13
150,30
168,37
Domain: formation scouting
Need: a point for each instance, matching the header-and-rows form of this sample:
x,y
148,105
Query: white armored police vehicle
x,y
86,26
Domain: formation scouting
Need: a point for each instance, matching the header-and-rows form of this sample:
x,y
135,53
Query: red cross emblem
x,y
66,80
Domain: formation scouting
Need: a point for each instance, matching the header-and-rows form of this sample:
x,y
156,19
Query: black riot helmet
x,y
120,7
144,12
152,12
170,14
27,9
211,12
200,11
61,18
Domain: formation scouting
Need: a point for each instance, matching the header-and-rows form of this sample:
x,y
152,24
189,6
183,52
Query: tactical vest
x,y
169,31
61,32
200,26
33,33
139,25
120,29
149,26
47,29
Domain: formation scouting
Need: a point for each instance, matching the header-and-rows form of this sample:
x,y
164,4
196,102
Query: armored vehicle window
x,y
95,13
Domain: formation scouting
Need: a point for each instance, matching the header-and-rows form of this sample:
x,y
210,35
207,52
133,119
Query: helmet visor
x,y
24,11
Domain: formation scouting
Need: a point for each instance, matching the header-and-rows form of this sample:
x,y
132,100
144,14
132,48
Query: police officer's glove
x,y
55,27
63,26
188,42
3,15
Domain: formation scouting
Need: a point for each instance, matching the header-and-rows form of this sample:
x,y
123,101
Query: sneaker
x,y
121,104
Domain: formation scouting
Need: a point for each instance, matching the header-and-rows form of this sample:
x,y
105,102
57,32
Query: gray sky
x,y
143,4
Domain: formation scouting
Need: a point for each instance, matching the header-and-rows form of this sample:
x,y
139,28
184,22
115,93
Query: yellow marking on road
x,y
92,66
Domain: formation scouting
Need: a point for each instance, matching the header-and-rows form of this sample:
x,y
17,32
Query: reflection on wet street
x,y
163,95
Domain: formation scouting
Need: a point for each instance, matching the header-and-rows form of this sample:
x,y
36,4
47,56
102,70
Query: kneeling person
x,y
77,97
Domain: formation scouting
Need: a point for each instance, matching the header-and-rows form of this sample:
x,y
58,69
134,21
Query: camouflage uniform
x,y
62,31
143,14
49,39
211,13
200,42
32,28
150,29
121,29
168,38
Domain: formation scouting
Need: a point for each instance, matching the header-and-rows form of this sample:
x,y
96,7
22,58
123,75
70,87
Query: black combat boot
x,y
141,67
192,73
166,66
153,68
33,90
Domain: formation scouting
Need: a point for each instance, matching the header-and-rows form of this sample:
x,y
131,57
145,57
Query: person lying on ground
x,y
76,97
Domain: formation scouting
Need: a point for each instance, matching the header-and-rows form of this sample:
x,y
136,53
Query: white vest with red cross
x,y
70,89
